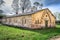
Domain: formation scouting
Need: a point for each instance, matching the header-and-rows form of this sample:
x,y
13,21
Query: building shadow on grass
x,y
42,30
45,31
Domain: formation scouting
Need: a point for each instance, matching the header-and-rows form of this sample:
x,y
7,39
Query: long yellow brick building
x,y
40,19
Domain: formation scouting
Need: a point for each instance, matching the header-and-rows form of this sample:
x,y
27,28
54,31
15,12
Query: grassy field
x,y
11,33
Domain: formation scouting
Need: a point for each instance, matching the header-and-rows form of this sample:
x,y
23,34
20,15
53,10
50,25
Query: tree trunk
x,y
22,9
16,12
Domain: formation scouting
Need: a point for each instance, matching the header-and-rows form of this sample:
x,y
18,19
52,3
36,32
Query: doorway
x,y
46,23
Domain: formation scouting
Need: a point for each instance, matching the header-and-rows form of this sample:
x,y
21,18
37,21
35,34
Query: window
x,y
16,21
25,20
37,22
9,20
5,20
53,22
46,15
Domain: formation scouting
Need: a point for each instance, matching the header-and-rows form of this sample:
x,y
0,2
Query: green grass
x,y
11,33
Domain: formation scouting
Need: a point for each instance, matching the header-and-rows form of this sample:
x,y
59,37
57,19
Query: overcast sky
x,y
53,5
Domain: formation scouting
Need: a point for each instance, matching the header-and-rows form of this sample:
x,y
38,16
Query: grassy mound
x,y
11,33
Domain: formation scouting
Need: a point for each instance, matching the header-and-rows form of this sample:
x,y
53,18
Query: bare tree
x,y
15,5
59,16
1,14
25,4
1,2
1,11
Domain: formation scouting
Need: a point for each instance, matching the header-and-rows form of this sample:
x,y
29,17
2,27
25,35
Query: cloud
x,y
8,2
7,7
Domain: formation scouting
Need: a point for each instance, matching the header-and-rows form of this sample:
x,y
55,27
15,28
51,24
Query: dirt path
x,y
55,38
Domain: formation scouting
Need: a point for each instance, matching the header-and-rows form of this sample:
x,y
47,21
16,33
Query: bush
x,y
58,22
